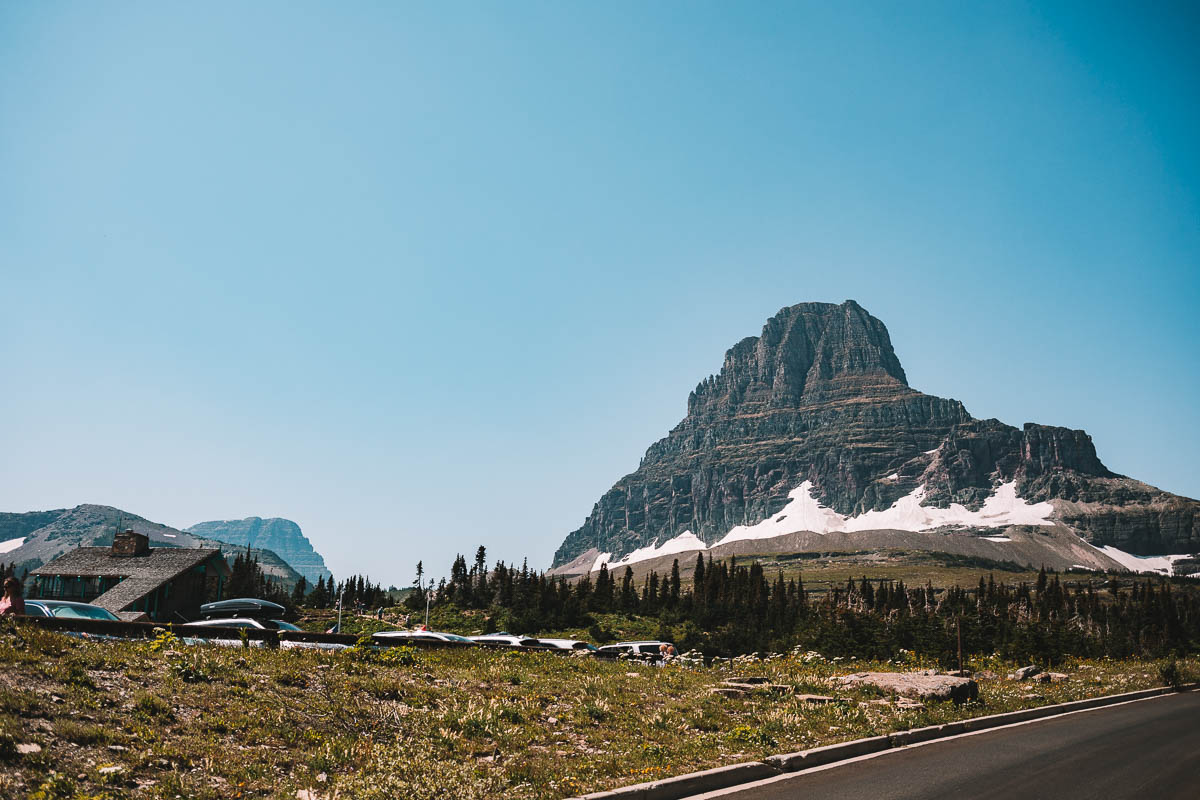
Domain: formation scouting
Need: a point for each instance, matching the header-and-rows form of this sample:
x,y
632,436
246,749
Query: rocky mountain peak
x,y
820,398
276,534
806,354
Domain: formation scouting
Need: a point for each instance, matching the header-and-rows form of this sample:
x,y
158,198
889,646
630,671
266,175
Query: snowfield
x,y
11,544
805,513
1159,565
686,542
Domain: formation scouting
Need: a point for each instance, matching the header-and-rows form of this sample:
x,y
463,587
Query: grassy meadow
x,y
85,719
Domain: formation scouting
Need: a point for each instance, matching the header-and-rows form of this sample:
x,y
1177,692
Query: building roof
x,y
142,574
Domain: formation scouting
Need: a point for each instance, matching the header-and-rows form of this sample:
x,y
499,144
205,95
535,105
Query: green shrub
x,y
654,752
151,705
19,701
192,668
81,732
163,640
404,656
1169,674
597,711
365,651
512,715
600,635
746,734
54,787
73,673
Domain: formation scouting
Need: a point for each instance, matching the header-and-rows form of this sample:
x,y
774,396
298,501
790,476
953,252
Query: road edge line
x,y
713,783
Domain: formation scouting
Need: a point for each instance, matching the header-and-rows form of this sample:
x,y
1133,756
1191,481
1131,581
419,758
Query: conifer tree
x,y
320,595
673,586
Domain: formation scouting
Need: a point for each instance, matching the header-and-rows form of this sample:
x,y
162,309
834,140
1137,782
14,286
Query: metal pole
x,y
340,591
427,608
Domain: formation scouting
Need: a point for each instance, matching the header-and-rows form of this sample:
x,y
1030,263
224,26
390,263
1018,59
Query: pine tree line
x,y
356,592
732,608
247,579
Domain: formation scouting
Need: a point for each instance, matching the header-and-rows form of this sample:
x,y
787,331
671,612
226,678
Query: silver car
x,y
188,632
506,639
66,609
400,637
569,644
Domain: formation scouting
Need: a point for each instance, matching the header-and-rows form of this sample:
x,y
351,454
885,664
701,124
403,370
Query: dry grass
x,y
217,723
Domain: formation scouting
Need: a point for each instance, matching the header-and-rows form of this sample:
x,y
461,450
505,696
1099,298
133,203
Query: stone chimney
x,y
130,544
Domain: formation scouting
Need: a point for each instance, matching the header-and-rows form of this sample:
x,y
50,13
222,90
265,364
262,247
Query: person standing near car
x,y
12,604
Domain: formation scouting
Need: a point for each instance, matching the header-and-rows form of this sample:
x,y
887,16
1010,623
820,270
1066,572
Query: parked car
x,y
569,644
189,631
66,609
506,639
400,637
245,622
645,650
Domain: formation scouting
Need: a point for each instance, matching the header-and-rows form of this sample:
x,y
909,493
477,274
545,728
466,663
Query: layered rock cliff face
x,y
820,396
282,536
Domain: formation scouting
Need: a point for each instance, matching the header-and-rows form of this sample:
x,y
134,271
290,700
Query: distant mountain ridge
x,y
282,536
815,415
33,538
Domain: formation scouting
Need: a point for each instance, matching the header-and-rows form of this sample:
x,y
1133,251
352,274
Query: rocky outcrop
x,y
820,396
926,685
1132,516
281,536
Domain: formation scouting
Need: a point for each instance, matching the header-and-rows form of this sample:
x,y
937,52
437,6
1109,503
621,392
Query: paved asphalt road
x,y
1149,750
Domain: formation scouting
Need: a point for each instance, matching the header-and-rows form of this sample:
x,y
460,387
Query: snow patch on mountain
x,y
1159,565
11,544
686,542
805,513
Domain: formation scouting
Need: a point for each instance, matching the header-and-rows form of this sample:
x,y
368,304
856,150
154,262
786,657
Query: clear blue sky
x,y
425,276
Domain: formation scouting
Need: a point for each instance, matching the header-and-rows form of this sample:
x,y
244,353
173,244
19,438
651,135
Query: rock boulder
x,y
1024,673
927,685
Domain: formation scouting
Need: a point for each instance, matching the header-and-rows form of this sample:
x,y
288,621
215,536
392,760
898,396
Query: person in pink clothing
x,y
12,603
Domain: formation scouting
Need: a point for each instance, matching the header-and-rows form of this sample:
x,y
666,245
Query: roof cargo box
x,y
242,607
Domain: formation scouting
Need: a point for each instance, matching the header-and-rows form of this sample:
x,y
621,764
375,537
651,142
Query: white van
x,y
645,650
